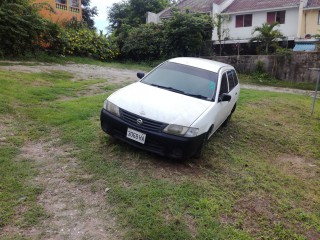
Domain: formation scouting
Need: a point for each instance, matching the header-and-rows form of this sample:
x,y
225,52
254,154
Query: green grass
x,y
244,186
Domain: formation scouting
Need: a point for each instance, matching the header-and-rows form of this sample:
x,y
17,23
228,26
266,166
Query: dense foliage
x,y
186,33
83,41
145,42
20,26
181,35
23,30
133,12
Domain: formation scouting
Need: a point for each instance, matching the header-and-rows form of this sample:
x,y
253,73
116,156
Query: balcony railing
x,y
74,9
61,6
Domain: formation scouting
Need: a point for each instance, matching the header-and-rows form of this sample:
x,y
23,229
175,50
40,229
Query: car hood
x,y
159,104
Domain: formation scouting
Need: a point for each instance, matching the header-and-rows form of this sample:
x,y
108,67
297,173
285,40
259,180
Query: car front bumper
x,y
156,142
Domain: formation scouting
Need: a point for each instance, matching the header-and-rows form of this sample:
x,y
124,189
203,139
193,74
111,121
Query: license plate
x,y
136,136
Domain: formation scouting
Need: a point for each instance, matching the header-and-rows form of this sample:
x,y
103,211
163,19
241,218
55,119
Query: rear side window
x,y
224,84
235,77
231,80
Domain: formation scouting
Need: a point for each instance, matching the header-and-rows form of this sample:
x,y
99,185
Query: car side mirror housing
x,y
140,75
225,97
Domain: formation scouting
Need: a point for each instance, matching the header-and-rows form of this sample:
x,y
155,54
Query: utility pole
x,y
316,90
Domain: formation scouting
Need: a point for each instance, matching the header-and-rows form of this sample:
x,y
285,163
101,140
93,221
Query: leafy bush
x,y
20,27
181,35
84,42
145,42
186,33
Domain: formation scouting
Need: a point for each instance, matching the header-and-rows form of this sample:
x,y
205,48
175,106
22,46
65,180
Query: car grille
x,y
147,124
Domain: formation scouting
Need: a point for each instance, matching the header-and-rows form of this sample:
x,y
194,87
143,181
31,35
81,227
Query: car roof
x,y
201,63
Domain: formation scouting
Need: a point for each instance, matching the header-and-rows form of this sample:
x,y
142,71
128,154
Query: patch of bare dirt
x,y
75,210
297,166
80,71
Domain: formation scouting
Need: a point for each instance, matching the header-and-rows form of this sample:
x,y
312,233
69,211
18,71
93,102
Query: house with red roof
x,y
297,18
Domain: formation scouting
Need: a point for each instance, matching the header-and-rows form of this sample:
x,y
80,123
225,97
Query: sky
x,y
101,19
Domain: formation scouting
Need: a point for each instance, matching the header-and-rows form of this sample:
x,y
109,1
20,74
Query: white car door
x,y
223,108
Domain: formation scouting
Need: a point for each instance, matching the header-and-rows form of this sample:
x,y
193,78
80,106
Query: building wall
x,y
152,17
292,68
62,12
289,28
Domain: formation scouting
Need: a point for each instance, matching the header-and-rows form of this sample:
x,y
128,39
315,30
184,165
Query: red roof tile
x,y
313,4
203,6
249,5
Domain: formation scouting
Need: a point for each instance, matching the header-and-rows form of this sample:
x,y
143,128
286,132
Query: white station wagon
x,y
175,108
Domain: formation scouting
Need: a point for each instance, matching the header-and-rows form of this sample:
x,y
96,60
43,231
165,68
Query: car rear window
x,y
189,80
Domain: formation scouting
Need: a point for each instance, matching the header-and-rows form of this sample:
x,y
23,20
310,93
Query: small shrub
x,y
260,67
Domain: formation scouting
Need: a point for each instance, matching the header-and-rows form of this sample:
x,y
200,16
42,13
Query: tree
x,y
218,22
186,32
117,15
133,12
88,13
267,36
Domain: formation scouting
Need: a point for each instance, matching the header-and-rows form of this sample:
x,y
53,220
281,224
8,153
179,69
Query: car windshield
x,y
191,81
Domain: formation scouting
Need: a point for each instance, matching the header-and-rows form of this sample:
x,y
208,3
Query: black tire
x,y
225,123
199,151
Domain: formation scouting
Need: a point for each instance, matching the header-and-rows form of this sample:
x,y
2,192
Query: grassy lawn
x,y
258,178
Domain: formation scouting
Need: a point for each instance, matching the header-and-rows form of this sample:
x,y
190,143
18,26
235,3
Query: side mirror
x,y
140,75
224,97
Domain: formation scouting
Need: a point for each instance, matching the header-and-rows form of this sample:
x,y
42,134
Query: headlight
x,y
181,130
111,108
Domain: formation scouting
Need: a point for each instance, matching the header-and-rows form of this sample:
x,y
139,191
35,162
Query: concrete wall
x,y
292,68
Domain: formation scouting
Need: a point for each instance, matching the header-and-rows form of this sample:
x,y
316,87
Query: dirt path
x,y
75,202
80,71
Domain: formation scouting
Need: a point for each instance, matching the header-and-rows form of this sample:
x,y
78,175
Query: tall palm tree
x,y
267,35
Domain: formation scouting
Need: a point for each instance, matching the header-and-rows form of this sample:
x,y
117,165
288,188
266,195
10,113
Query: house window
x,y
278,17
61,1
244,20
74,3
319,18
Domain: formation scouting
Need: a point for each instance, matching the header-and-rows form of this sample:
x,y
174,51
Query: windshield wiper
x,y
196,96
179,91
168,88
